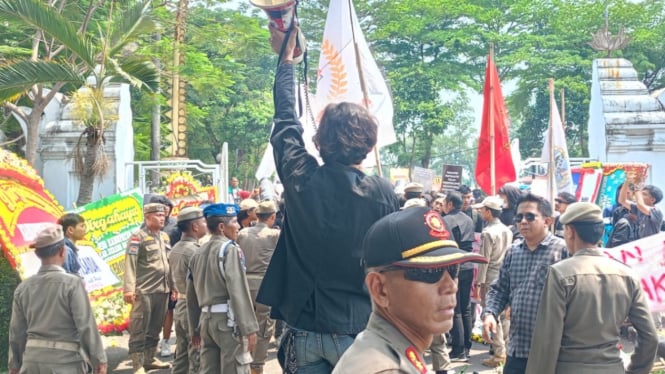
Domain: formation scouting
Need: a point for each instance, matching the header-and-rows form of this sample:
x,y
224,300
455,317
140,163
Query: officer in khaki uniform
x,y
147,284
219,304
191,223
52,328
585,299
495,240
411,265
258,243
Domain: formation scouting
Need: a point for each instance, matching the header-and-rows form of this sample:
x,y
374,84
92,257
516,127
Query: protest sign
x,y
451,177
109,224
423,176
95,271
646,257
399,177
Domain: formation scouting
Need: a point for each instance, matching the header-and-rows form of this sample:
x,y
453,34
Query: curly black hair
x,y
346,134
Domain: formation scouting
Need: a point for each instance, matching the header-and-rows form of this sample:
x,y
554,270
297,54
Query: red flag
x,y
494,114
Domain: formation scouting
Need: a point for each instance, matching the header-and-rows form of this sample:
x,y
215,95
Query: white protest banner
x,y
646,257
95,271
423,176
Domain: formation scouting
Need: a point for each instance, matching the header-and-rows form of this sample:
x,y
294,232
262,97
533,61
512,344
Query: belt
x,y
217,308
255,275
64,346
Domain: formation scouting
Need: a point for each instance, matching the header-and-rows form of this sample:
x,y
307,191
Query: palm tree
x,y
70,57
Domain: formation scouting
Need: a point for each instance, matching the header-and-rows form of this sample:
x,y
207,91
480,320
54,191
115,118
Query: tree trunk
x,y
87,178
32,141
156,123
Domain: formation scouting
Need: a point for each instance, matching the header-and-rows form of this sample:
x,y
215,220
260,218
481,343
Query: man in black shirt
x,y
315,279
467,196
461,226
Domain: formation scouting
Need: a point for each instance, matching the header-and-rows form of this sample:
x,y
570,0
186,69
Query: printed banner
x,y
25,206
94,270
646,257
109,224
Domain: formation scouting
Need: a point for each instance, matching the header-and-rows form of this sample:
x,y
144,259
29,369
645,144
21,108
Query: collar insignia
x,y
414,358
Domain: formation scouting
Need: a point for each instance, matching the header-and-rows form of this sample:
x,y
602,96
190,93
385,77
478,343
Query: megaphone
x,y
282,14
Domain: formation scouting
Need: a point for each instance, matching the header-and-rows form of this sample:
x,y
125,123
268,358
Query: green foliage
x,y
9,279
228,65
432,53
64,51
531,128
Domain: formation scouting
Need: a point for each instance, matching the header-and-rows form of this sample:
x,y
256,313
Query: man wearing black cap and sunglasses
x,y
411,263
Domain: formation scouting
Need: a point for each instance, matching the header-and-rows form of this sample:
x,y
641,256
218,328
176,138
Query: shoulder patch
x,y
133,245
414,358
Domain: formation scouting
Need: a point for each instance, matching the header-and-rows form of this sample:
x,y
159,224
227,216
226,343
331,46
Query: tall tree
x,y
69,56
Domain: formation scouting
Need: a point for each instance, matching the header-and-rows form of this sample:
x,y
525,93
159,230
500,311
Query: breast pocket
x,y
152,251
538,276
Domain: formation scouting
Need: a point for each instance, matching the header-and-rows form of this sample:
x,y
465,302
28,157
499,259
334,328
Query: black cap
x,y
414,237
566,198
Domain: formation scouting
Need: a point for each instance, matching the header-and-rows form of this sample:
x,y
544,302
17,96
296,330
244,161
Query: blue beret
x,y
223,210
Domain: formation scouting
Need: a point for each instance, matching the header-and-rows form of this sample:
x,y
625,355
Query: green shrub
x,y
9,279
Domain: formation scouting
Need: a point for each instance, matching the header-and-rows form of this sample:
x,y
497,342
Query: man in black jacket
x,y
315,279
461,226
467,196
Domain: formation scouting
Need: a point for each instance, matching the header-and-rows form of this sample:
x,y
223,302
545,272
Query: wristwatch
x,y
486,313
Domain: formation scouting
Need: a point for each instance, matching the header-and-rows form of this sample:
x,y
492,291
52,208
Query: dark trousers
x,y
461,331
146,320
515,365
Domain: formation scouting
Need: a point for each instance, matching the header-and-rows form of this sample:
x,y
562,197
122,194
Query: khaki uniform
x,y
187,357
52,328
219,307
585,300
258,244
439,352
147,275
495,240
380,348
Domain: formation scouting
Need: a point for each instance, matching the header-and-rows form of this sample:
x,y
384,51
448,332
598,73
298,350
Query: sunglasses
x,y
425,275
530,217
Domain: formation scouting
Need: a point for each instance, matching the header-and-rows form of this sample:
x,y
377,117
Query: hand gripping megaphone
x,y
282,14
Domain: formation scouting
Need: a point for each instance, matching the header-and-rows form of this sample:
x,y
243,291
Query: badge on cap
x,y
414,358
437,228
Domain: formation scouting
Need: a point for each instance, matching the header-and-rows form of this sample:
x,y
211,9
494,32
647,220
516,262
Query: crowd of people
x,y
365,280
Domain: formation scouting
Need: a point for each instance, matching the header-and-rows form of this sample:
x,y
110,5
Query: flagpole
x,y
363,85
492,135
550,136
563,109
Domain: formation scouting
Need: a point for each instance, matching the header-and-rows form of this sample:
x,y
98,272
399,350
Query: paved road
x,y
116,349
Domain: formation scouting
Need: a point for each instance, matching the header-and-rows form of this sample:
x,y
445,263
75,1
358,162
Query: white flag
x,y
562,175
267,166
338,77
